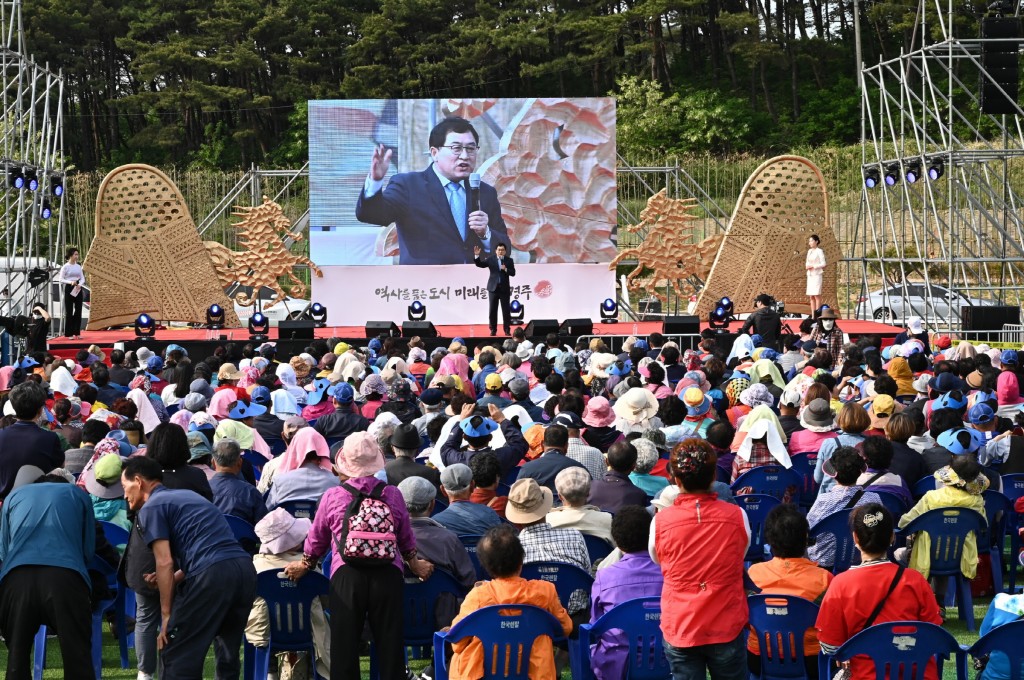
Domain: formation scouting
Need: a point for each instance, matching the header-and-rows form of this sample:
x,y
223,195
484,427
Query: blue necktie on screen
x,y
457,201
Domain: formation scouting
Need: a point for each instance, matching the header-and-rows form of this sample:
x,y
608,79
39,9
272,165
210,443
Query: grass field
x,y
113,671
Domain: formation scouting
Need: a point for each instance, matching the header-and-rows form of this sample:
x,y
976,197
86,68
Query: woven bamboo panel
x,y
146,254
765,246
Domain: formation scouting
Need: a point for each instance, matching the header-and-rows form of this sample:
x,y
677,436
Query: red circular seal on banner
x,y
543,289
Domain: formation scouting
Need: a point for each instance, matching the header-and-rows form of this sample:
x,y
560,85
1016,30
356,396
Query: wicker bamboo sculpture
x,y
266,258
765,246
668,252
146,255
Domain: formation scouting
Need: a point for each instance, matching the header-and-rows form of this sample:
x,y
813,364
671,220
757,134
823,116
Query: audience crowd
x,y
379,465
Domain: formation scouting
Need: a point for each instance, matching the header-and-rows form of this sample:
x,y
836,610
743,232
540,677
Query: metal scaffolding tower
x,y
963,229
31,143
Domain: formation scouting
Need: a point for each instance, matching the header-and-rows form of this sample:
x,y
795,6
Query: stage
x,y
202,342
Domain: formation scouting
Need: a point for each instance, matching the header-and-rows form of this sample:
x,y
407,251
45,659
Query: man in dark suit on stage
x,y
433,209
499,289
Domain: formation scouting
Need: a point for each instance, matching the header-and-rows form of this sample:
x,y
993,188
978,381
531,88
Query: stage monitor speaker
x,y
681,325
375,328
295,330
989,317
576,327
538,328
424,329
724,341
1000,64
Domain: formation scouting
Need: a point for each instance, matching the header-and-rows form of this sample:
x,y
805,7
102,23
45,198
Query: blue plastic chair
x,y
439,507
771,480
893,503
300,509
948,529
722,475
506,632
419,600
469,542
257,460
291,628
923,486
597,548
568,579
998,512
757,507
836,525
637,623
901,647
1013,488
779,623
244,533
1005,639
124,603
39,658
803,465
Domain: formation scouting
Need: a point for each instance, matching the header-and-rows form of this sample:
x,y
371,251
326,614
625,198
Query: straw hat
x,y
636,405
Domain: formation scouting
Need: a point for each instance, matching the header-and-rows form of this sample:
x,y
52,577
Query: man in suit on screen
x,y
435,210
499,288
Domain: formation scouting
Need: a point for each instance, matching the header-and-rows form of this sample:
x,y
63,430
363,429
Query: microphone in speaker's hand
x,y
474,192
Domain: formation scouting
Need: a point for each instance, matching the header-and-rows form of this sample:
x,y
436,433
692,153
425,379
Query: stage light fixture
x,y
318,313
45,210
872,177
57,185
145,326
417,311
936,169
215,317
259,326
15,178
516,312
892,174
727,305
718,318
31,178
609,311
912,171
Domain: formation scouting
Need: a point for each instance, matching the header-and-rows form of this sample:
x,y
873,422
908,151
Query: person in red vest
x,y
700,542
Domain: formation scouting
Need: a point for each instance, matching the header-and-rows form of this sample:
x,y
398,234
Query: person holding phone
x,y
73,278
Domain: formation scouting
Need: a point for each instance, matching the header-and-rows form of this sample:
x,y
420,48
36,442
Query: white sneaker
x,y
143,676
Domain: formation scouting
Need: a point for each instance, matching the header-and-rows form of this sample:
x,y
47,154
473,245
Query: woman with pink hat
x,y
599,418
370,545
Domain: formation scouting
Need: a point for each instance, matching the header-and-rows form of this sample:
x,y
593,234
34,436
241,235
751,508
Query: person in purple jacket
x,y
359,593
633,576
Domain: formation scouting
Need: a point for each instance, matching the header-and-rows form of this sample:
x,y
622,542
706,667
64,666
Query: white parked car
x,y
937,305
276,310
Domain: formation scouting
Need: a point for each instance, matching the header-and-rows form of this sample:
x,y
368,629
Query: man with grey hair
x,y
519,389
462,516
433,541
432,406
580,451
231,493
573,486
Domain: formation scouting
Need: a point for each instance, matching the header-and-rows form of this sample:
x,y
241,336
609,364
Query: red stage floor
x,y
472,334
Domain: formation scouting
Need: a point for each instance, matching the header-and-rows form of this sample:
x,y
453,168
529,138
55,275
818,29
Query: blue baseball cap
x,y
261,395
154,363
756,340
27,362
642,344
1009,356
342,393
981,413
946,382
954,400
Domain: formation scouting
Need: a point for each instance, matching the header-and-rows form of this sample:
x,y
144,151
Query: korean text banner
x,y
456,294
546,187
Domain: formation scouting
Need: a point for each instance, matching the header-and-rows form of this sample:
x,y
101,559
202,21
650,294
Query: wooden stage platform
x,y
204,341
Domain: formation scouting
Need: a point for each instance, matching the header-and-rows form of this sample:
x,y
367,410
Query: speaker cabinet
x,y
681,325
1000,63
989,317
577,327
375,328
424,329
295,330
538,328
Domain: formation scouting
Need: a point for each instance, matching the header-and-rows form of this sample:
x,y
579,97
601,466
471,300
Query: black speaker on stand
x,y
538,328
295,330
424,329
1000,61
989,318
576,327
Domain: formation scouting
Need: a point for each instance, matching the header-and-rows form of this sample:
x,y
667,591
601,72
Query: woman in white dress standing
x,y
815,269
73,278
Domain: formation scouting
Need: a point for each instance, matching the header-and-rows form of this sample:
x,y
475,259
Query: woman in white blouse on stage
x,y
73,278
815,269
